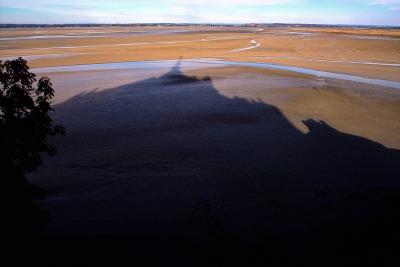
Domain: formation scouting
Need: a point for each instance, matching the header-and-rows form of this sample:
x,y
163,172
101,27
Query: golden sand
x,y
368,53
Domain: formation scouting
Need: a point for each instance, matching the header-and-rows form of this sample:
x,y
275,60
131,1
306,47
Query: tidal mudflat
x,y
326,49
205,149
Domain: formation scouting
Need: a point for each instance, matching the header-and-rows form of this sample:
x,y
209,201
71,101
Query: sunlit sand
x,y
293,129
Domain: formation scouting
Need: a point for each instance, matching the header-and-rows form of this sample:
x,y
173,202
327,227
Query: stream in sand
x,y
201,63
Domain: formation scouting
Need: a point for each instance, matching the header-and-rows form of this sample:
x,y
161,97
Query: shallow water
x,y
47,37
254,45
335,61
131,44
386,38
199,63
94,35
42,56
302,33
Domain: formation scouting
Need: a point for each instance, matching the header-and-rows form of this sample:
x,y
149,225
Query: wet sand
x,y
221,163
339,102
155,158
321,49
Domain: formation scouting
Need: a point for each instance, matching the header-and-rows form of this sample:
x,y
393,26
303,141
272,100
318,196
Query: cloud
x,y
392,5
240,2
385,2
213,11
388,3
125,11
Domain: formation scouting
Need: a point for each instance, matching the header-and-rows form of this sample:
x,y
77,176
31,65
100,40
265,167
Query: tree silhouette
x,y
25,126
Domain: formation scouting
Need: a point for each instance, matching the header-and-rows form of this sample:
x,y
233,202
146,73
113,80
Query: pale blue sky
x,y
371,12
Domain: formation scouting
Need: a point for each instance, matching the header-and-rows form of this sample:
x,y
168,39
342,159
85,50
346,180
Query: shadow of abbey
x,y
181,117
138,159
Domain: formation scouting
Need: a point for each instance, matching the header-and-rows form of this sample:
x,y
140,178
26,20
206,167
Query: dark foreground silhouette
x,y
167,171
25,126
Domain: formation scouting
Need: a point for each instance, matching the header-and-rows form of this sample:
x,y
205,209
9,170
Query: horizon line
x,y
199,23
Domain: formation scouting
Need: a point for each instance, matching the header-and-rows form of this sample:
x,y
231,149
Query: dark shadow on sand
x,y
153,153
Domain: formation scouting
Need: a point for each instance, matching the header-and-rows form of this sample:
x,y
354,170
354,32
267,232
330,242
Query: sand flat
x,y
338,102
332,48
154,141
300,154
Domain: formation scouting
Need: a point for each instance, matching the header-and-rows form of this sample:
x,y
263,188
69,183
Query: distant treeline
x,y
199,25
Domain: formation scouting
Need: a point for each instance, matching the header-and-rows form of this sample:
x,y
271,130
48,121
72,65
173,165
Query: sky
x,y
360,12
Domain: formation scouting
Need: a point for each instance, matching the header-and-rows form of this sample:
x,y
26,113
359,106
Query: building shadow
x,y
140,159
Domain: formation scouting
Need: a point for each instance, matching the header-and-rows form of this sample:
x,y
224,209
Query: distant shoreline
x,y
78,25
